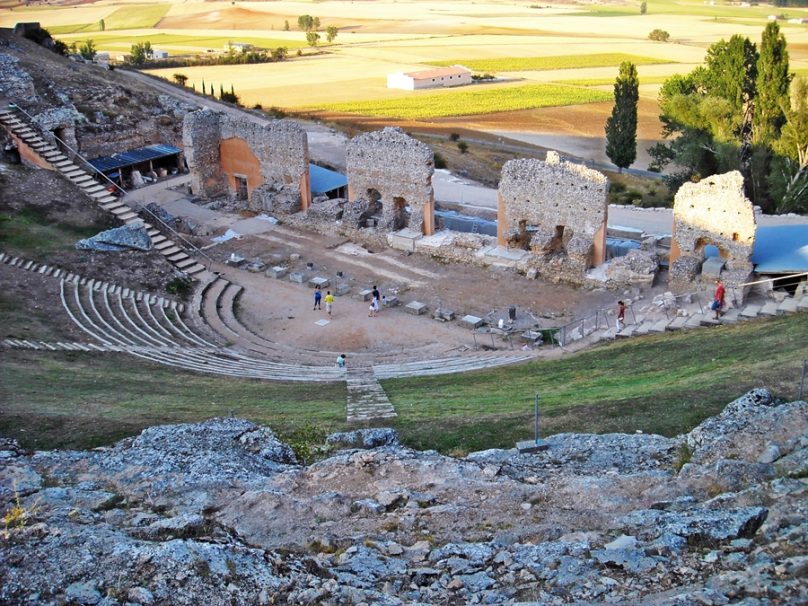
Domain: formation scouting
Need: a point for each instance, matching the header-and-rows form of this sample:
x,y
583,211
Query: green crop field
x,y
608,81
104,41
139,16
677,7
524,64
425,105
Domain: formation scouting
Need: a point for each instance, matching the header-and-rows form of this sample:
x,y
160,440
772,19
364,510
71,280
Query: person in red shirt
x,y
718,299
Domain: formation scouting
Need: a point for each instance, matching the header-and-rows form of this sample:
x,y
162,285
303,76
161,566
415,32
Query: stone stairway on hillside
x,y
25,134
366,398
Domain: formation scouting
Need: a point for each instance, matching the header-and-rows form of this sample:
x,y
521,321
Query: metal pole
x,y
536,420
802,379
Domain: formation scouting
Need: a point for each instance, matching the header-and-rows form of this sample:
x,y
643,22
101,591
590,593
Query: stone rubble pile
x,y
220,512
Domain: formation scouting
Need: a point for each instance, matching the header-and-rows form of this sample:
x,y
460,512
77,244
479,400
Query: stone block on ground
x,y
471,321
276,272
391,301
299,277
256,266
415,308
365,294
319,281
404,239
532,336
342,289
444,315
235,260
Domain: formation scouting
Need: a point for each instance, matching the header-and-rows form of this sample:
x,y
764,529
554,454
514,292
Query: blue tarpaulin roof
x,y
324,180
781,249
133,156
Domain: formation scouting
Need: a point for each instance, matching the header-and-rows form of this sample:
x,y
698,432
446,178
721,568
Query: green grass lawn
x,y
32,233
69,400
523,64
657,384
480,99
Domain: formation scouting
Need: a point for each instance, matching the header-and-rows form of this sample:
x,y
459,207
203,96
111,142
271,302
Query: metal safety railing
x,y
162,224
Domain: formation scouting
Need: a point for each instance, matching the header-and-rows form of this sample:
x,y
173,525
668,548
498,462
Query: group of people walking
x,y
318,299
328,299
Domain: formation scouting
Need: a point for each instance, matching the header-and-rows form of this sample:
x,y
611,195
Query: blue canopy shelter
x,y
325,182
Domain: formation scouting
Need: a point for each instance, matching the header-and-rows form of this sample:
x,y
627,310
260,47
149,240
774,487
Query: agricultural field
x,y
558,47
520,64
485,100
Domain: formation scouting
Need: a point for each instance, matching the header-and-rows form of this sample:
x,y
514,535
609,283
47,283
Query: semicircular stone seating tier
x,y
217,301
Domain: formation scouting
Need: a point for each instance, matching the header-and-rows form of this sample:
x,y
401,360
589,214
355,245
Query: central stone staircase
x,y
366,398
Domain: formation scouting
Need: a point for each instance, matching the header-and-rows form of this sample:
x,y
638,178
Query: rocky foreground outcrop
x,y
220,513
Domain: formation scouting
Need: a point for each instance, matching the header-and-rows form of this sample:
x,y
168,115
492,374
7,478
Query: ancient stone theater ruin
x,y
390,173
714,212
557,210
266,166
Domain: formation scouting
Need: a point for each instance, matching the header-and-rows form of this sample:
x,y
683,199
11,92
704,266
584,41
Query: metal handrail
x,y
76,154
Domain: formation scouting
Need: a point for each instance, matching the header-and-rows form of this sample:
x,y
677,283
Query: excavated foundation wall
x,y
557,210
267,165
388,171
715,212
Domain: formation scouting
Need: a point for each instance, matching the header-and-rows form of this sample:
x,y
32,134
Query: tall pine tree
x,y
621,126
773,81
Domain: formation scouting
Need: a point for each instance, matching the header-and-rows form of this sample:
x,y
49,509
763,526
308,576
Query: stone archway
x,y
401,213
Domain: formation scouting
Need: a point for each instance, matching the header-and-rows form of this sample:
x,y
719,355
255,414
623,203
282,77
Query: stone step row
x,y
452,365
98,192
70,277
367,399
152,332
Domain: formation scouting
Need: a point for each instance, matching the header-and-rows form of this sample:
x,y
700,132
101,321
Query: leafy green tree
x,y
621,126
279,54
180,79
286,25
101,25
307,23
140,53
788,177
643,7
312,38
659,35
87,50
331,33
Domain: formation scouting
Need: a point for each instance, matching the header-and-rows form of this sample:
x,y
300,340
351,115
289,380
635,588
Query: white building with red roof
x,y
456,75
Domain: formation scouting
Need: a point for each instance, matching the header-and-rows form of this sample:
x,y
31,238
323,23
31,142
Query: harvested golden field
x,y
384,36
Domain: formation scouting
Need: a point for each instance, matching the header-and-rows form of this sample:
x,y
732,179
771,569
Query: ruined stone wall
x,y
400,169
16,85
200,140
546,196
274,159
715,212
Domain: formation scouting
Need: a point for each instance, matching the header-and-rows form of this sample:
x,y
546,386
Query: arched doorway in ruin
x,y
521,239
558,243
372,216
401,213
706,248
